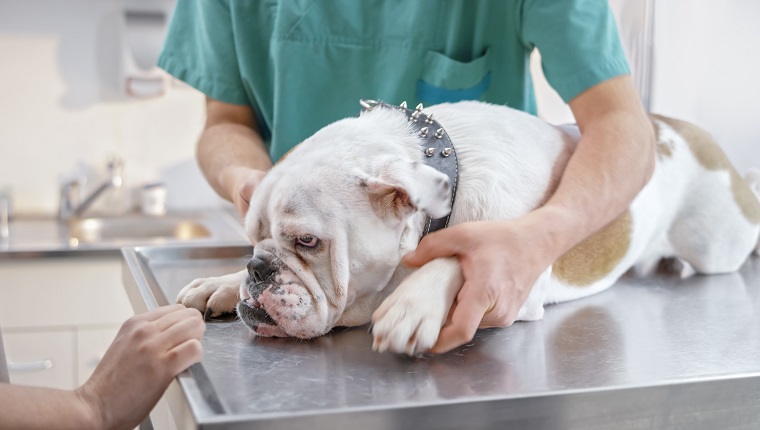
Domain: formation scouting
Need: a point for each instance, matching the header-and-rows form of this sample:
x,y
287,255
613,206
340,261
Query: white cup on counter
x,y
153,199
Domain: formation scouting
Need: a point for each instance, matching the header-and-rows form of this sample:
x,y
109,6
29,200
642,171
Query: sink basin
x,y
33,236
93,230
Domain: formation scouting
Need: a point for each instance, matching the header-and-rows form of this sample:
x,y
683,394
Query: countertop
x,y
655,352
34,235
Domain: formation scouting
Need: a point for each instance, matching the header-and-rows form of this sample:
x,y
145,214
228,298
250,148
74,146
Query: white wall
x,y
707,65
706,70
60,116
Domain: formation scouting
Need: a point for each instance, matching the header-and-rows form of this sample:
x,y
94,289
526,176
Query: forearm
x,y
43,408
611,164
224,148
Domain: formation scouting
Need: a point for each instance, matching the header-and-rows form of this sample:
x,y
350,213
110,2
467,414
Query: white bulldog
x,y
332,220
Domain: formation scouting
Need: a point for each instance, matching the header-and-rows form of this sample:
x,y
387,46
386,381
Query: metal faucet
x,y
71,205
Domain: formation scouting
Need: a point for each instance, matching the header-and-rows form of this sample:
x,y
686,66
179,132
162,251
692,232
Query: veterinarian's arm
x,y
149,350
612,163
231,153
501,260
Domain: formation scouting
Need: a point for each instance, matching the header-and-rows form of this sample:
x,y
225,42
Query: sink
x,y
93,230
33,236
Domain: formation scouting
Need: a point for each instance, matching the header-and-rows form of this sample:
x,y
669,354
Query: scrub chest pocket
x,y
445,79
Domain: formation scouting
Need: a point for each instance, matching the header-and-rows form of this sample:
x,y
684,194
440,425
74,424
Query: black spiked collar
x,y
436,146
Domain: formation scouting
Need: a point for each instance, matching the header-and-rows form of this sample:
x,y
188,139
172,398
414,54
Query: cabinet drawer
x,y
91,345
51,292
41,358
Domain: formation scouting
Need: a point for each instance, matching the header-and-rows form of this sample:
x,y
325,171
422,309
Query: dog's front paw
x,y
406,324
212,296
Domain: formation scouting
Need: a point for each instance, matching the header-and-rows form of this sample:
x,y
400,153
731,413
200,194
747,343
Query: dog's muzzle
x,y
260,276
260,270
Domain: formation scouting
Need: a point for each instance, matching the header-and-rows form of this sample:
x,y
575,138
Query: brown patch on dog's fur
x,y
709,154
595,257
745,198
662,148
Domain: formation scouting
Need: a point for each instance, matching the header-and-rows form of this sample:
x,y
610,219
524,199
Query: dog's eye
x,y
307,241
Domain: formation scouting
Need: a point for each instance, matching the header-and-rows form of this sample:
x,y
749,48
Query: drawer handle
x,y
29,366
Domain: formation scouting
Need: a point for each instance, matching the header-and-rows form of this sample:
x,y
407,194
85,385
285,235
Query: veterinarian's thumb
x,y
435,245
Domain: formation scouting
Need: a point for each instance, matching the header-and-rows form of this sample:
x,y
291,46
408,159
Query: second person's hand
x,y
148,352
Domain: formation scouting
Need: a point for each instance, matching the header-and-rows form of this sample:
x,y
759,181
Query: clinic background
x,y
63,108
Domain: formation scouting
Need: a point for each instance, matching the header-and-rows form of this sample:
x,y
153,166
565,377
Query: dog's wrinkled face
x,y
329,223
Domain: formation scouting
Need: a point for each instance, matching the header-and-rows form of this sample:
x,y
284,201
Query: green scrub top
x,y
302,64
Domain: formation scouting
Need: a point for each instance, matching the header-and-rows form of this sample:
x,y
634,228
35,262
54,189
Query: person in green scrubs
x,y
274,72
148,352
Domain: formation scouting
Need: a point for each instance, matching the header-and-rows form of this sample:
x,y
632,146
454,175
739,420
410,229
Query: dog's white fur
x,y
361,187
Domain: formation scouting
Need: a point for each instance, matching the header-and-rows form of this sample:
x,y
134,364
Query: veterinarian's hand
x,y
149,350
241,182
500,262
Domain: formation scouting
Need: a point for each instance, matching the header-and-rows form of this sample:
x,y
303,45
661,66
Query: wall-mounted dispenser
x,y
143,25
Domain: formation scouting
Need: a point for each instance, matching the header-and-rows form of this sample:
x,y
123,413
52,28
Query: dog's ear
x,y
403,188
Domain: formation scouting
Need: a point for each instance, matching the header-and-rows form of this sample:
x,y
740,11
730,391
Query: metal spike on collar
x,y
415,115
429,119
419,108
423,132
368,104
429,152
402,106
439,133
446,152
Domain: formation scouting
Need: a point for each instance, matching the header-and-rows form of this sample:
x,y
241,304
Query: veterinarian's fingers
x,y
159,312
247,181
449,242
463,325
499,316
184,355
243,203
182,331
172,318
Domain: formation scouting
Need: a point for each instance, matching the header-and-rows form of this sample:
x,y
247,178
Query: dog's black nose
x,y
259,270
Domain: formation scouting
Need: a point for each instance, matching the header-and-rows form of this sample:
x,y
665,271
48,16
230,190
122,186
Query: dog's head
x,y
329,224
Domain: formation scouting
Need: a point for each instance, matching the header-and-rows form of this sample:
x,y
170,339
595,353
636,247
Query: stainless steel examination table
x,y
659,352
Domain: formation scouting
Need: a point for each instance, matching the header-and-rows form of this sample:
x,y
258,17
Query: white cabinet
x,y
41,358
59,315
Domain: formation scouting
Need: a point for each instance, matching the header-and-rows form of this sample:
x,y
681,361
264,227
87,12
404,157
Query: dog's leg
x,y
410,319
213,296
